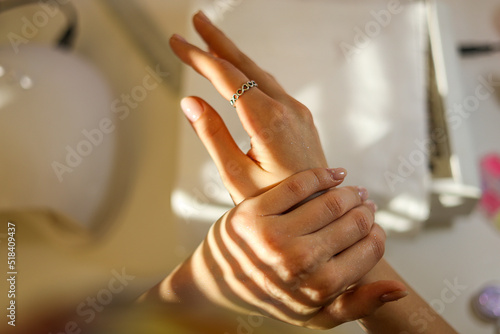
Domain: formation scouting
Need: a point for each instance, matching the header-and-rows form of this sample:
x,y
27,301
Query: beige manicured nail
x,y
372,205
338,174
393,296
363,193
191,108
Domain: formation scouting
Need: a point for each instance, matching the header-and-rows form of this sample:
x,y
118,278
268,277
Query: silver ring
x,y
240,91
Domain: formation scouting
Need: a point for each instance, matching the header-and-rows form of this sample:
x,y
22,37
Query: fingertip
x,y
360,302
371,205
177,37
192,108
176,43
393,296
390,290
363,193
200,15
338,174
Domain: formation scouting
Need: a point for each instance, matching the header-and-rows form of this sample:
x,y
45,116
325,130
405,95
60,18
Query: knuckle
x,y
298,108
363,222
303,112
290,271
291,116
281,113
322,291
239,219
320,294
319,177
295,267
297,187
334,205
269,239
377,242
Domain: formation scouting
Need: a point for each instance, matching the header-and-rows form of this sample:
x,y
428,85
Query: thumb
x,y
359,302
213,133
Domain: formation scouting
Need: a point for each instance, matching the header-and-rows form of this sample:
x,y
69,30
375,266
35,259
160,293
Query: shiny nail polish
x,y
393,296
191,108
363,193
338,174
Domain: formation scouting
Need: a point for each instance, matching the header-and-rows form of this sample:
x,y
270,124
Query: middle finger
x,y
223,47
342,233
323,210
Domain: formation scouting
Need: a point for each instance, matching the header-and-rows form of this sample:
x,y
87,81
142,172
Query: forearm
x,y
407,316
202,283
184,286
181,298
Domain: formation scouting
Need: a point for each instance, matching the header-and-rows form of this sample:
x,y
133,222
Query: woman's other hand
x,y
297,263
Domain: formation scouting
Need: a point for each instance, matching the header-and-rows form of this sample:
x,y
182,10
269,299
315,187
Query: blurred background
x,y
105,179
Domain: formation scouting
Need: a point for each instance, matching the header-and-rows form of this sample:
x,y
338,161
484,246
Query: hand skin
x,y
284,141
294,263
411,315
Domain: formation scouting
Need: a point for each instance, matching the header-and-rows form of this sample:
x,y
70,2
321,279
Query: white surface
x,y
469,250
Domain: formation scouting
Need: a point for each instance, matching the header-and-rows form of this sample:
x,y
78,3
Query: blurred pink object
x,y
490,170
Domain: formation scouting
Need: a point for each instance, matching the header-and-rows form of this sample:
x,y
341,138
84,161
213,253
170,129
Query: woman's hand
x,y
284,141
294,263
283,137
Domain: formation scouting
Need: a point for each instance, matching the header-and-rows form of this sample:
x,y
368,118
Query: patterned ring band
x,y
242,90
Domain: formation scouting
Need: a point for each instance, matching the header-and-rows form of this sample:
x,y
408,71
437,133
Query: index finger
x,y
294,190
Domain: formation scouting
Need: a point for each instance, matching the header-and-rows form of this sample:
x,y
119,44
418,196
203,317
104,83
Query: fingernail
x,y
191,108
179,38
393,296
338,174
363,193
372,205
203,17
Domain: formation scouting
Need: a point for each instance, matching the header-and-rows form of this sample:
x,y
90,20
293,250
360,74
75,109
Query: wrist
x,y
381,271
190,285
